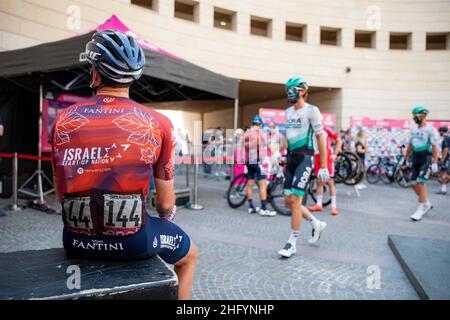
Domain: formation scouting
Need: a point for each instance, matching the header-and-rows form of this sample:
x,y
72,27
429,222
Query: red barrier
x,y
181,160
25,156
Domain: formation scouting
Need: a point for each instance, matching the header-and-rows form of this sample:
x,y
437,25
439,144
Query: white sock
x,y
423,204
312,219
444,188
293,237
319,200
333,201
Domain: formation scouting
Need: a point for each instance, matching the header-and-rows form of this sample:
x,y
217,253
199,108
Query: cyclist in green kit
x,y
423,147
303,125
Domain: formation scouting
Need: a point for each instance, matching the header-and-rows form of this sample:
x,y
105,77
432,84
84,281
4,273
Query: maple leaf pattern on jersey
x,y
169,168
148,155
141,126
69,122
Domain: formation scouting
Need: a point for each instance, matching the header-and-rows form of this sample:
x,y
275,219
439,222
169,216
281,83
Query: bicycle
x,y
384,169
355,167
237,192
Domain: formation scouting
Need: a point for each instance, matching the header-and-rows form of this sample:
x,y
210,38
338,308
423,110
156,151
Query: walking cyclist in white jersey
x,y
423,148
303,125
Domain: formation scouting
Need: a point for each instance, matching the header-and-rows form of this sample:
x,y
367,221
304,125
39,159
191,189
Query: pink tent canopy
x,y
114,23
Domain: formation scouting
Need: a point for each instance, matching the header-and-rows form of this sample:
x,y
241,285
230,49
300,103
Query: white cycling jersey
x,y
423,138
301,127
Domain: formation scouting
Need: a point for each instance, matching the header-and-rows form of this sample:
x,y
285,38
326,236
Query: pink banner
x,y
391,123
114,23
52,106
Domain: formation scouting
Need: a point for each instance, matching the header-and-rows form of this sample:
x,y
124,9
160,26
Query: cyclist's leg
x,y
422,179
302,174
319,186
185,270
251,176
415,174
174,246
292,203
262,190
262,182
332,186
444,175
288,178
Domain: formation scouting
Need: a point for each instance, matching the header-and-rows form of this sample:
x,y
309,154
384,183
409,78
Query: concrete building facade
x,y
374,58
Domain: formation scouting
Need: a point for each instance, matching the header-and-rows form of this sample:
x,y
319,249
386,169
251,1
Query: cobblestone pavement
x,y
238,251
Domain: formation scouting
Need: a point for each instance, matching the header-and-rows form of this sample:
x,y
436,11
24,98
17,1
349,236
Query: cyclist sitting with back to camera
x,y
255,141
303,125
104,152
423,147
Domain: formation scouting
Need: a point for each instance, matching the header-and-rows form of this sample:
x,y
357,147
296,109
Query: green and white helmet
x,y
420,110
293,85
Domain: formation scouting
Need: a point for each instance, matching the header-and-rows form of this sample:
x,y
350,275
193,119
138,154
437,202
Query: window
x,y
148,4
437,41
364,39
186,9
330,36
400,41
261,27
295,32
224,19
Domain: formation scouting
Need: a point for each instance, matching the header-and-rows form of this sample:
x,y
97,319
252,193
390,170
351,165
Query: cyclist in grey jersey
x,y
445,158
423,148
303,125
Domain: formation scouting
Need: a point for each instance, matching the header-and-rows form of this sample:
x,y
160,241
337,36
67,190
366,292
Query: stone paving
x,y
238,251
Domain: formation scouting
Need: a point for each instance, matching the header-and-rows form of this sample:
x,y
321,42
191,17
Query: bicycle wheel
x,y
237,191
356,164
385,177
357,169
372,174
276,196
312,190
342,168
402,178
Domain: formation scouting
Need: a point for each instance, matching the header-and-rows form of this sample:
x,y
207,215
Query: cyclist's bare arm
x,y
322,145
339,144
444,153
283,143
435,153
59,196
163,172
165,194
408,151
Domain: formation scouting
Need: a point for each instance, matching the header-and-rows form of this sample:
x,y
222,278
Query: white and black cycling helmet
x,y
116,56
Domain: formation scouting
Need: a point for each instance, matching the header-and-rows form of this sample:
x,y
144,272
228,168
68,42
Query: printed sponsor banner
x,y
385,136
53,104
391,123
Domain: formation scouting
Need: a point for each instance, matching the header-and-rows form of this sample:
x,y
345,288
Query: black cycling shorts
x,y
421,168
299,168
255,172
158,236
